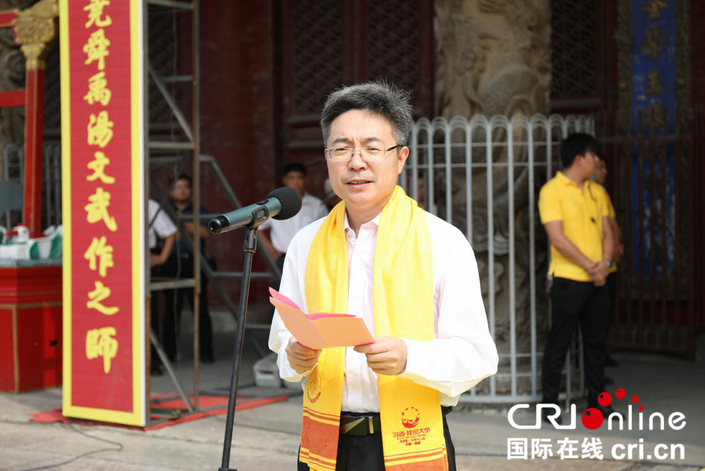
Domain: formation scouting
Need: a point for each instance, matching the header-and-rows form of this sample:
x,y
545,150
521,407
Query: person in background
x,y
161,237
180,265
422,192
330,199
601,178
282,232
574,213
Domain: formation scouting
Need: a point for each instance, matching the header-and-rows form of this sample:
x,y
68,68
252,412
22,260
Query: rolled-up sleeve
x,y
463,352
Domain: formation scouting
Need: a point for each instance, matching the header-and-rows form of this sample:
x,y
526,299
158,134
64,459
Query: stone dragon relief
x,y
493,58
22,46
12,69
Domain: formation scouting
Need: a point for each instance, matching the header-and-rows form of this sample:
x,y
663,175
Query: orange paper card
x,y
320,330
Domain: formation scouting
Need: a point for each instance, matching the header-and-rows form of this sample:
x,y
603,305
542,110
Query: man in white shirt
x,y
282,232
365,129
160,229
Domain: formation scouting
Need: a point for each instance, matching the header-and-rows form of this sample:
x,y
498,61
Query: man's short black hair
x,y
294,167
377,97
183,176
602,156
576,144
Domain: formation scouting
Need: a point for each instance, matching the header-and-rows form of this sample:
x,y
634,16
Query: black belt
x,y
367,423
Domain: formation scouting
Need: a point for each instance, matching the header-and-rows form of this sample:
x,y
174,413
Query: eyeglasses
x,y
367,153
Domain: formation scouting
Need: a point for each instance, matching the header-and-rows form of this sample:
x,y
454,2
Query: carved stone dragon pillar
x,y
12,77
493,58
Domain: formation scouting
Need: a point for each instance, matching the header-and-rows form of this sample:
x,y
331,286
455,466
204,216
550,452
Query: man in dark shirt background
x,y
180,265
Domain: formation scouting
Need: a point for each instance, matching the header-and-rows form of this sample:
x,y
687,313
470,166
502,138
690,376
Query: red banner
x,y
102,150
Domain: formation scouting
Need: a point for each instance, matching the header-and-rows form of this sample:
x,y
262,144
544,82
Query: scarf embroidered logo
x,y
313,388
410,417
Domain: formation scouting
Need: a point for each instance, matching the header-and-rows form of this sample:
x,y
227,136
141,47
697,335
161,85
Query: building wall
x,y
698,169
698,60
323,44
237,122
262,91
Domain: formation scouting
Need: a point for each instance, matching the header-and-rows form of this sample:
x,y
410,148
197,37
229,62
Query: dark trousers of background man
x,y
155,315
612,289
181,266
576,303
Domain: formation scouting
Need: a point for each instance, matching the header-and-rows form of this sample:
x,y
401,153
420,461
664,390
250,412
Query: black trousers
x,y
364,453
155,318
612,290
573,303
182,267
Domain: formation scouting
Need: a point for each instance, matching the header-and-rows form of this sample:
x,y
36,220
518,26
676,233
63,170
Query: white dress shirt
x,y
162,225
462,353
282,232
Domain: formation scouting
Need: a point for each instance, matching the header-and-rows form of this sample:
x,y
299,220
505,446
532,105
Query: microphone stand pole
x,y
249,247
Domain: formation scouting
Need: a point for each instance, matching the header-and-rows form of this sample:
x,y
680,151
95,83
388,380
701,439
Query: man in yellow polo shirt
x,y
575,214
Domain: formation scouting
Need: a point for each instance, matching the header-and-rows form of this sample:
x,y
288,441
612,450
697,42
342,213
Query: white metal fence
x,y
12,181
483,175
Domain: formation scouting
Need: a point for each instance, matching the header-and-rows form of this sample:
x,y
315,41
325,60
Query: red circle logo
x,y
410,417
592,418
604,399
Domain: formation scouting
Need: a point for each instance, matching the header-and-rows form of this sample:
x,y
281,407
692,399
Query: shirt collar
x,y
567,181
187,209
374,222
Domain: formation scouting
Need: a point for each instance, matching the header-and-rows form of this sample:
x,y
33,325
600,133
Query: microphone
x,y
282,203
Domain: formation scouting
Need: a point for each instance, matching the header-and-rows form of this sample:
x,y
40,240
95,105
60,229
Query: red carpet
x,y
209,405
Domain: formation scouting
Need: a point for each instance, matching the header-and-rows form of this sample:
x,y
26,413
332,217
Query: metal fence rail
x,y
483,175
12,182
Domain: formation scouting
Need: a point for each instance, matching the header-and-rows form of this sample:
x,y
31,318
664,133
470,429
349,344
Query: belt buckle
x,y
370,423
351,425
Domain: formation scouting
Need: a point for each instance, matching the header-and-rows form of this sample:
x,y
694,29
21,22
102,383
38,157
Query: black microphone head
x,y
290,201
217,224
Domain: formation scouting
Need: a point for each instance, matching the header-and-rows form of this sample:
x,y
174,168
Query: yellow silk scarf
x,y
412,425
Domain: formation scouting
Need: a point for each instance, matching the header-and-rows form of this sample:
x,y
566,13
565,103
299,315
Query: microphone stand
x,y
249,247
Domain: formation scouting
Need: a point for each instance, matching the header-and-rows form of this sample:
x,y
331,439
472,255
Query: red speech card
x,y
320,330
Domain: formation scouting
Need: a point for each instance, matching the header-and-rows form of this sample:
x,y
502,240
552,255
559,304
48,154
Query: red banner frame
x,y
103,210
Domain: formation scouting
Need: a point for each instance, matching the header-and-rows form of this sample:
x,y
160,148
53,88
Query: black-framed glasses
x,y
372,153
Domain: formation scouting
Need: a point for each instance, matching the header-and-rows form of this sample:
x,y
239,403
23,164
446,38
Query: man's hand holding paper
x,y
301,358
386,356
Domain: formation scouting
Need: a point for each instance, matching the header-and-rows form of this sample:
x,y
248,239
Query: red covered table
x,y
30,324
